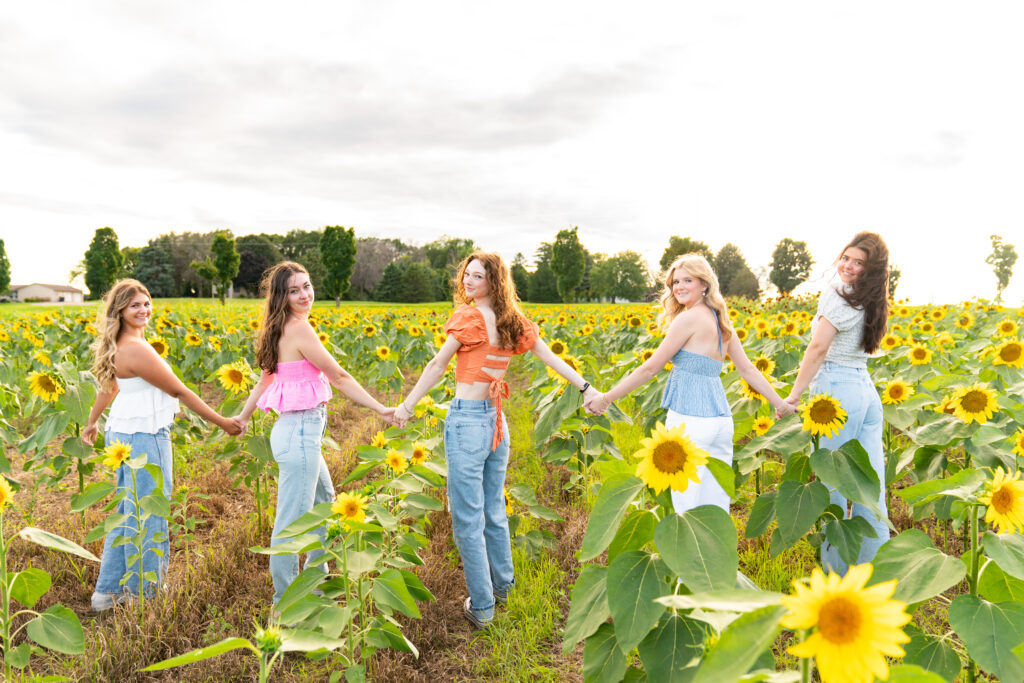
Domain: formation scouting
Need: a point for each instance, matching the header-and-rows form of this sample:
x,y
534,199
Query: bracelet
x,y
407,408
586,385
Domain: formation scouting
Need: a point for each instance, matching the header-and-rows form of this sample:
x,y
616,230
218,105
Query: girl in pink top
x,y
296,379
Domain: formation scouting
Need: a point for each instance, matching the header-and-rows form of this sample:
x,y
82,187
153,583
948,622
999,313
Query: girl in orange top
x,y
483,333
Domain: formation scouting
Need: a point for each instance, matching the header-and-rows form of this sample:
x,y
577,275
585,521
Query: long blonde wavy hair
x,y
697,266
108,327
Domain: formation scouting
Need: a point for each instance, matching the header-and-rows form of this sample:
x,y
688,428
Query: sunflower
x,y
6,337
383,352
741,333
424,404
946,405
749,392
45,386
654,329
1006,328
634,321
669,459
508,503
644,355
1004,496
6,493
41,357
896,392
823,415
193,339
369,330
965,321
420,453
855,627
254,323
160,346
890,342
975,403
762,425
235,377
379,440
927,327
439,339
765,364
323,337
351,507
215,343
558,347
1018,442
116,453
415,330
396,461
943,338
1009,353
919,355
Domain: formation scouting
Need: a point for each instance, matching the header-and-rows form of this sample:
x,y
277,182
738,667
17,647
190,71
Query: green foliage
x,y
791,265
102,262
568,262
894,280
5,269
256,253
444,255
303,246
677,246
734,275
1001,259
622,276
389,288
338,254
521,277
155,268
225,258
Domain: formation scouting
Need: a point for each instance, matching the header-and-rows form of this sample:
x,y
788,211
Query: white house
x,y
40,292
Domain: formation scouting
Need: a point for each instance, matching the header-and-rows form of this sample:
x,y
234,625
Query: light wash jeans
x,y
713,434
302,482
476,481
856,393
114,562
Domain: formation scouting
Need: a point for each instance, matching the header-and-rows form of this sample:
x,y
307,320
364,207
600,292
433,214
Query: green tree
x,y
677,246
729,263
155,268
520,276
894,279
5,269
568,262
303,247
543,286
129,261
444,255
744,283
622,276
420,282
256,253
791,265
338,253
102,262
1001,259
389,287
222,268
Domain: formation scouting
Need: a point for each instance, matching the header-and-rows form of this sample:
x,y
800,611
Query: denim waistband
x,y
472,405
830,367
321,408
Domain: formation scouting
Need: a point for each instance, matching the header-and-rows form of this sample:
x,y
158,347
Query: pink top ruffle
x,y
297,385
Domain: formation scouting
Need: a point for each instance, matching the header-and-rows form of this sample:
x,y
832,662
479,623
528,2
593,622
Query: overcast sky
x,y
506,122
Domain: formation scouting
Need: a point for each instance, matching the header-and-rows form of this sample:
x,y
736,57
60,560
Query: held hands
x,y
789,406
389,416
233,425
400,415
595,403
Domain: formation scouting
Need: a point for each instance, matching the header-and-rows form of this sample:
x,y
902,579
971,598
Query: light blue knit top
x,y
695,386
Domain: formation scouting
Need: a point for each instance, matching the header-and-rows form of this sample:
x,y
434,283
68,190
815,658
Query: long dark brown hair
x,y
871,288
508,318
275,312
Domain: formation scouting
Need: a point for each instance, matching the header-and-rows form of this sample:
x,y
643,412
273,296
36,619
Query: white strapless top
x,y
140,407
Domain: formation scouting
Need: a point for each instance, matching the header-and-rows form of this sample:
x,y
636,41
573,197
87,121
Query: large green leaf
x,y
849,471
922,571
638,578
28,585
215,650
700,547
390,591
1007,550
847,535
761,515
961,485
990,630
552,415
589,608
616,495
636,531
932,654
671,647
910,673
724,475
995,585
58,629
74,447
92,493
300,587
311,520
740,645
55,542
296,640
797,507
156,504
942,431
728,600
293,546
603,661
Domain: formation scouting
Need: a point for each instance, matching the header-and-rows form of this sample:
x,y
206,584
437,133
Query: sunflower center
x,y
235,376
761,364
974,401
1002,499
669,457
47,384
351,508
1010,353
558,348
920,354
839,621
823,412
896,391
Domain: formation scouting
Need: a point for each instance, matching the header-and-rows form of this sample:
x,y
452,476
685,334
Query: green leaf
x,y
995,585
603,661
92,493
297,640
589,608
300,587
156,504
389,591
847,535
671,646
724,475
1007,550
19,656
908,673
761,515
55,542
28,585
389,635
360,471
961,485
636,531
849,471
294,546
616,495
725,600
311,520
932,654
215,650
740,645
417,590
422,501
700,547
58,629
798,468
798,507
944,430
922,571
990,631
75,448
638,578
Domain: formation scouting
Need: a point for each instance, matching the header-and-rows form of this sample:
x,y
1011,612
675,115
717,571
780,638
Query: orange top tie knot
x,y
497,390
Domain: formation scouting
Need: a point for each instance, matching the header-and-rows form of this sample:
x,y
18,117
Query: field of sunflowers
x,y
625,589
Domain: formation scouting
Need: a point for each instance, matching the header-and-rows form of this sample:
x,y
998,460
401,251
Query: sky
x,y
741,122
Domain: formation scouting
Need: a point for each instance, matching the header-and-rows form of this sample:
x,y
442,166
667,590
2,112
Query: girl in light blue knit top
x,y
698,336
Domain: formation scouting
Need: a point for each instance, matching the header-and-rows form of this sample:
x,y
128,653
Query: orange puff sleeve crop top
x,y
468,327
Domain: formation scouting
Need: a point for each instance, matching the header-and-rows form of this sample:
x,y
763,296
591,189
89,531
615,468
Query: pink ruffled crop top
x,y
297,385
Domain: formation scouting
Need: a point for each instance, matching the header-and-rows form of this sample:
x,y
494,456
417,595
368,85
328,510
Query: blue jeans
x,y
855,391
156,547
476,481
302,482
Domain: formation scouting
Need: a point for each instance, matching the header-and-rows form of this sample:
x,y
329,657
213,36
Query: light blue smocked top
x,y
694,385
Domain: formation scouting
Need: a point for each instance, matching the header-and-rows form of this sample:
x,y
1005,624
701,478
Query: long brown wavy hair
x,y
697,266
871,288
508,317
274,285
108,329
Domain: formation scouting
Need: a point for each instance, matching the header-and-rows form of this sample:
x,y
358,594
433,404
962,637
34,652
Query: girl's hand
x,y
89,433
243,423
230,425
784,409
401,415
596,405
389,416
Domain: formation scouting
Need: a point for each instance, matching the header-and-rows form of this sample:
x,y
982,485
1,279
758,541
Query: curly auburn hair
x,y
508,317
870,291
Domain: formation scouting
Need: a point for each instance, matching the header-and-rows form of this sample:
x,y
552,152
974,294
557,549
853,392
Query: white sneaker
x,y
101,602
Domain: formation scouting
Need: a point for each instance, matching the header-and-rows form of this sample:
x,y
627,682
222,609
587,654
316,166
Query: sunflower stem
x,y
805,662
973,578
